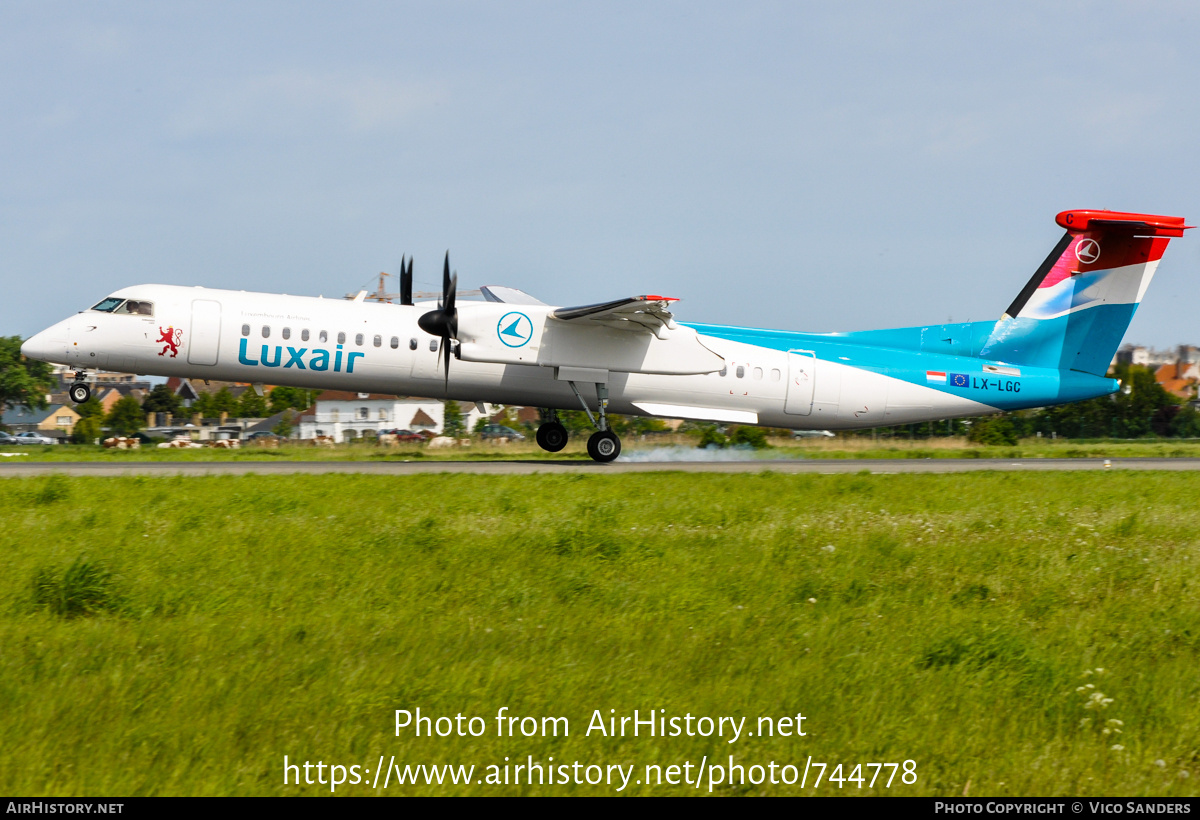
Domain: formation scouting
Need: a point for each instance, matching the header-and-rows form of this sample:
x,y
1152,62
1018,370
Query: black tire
x,y
552,437
604,446
80,393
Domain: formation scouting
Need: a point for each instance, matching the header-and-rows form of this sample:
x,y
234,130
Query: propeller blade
x,y
443,322
406,282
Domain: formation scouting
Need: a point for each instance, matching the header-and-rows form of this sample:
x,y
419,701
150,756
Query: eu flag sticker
x,y
959,380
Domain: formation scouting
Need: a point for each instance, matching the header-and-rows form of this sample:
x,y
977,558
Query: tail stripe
x,y
1040,274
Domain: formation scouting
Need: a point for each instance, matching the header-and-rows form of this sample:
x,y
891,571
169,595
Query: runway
x,y
821,466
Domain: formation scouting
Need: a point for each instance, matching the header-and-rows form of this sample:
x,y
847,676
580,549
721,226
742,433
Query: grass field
x,y
781,448
181,635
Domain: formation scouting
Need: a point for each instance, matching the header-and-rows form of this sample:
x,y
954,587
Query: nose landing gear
x,y
79,391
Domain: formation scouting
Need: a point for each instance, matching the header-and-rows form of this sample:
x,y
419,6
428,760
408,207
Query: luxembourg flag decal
x,y
935,376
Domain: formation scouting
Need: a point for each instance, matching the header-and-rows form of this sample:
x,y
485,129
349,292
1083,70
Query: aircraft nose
x,y
47,346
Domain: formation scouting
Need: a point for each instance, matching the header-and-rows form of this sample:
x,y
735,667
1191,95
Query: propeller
x,y
406,282
443,322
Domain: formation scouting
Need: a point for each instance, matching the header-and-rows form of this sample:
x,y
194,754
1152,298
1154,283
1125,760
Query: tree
x,y
251,405
86,430
1186,423
211,405
296,398
162,400
92,408
756,437
993,430
23,382
452,420
284,427
126,417
711,437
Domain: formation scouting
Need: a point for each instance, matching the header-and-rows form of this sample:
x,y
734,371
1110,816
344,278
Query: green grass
x,y
945,619
781,447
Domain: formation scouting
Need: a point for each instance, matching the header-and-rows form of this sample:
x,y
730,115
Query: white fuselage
x,y
271,339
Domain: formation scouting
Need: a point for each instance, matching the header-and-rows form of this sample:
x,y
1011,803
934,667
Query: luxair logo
x,y
286,357
514,329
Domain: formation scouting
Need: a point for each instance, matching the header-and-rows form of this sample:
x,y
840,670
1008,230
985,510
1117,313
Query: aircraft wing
x,y
650,313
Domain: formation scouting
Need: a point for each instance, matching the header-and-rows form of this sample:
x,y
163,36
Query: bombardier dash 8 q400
x,y
1053,345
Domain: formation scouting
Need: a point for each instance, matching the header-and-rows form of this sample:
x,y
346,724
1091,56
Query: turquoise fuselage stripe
x,y
909,353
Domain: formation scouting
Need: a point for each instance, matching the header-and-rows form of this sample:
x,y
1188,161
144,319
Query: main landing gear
x,y
603,445
552,436
79,391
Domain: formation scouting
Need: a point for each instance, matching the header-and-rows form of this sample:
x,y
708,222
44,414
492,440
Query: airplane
x,y
1052,345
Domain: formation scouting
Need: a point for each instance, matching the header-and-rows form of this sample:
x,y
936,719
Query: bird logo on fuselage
x,y
515,329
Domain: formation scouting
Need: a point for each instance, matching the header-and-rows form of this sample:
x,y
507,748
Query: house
x,y
1179,379
348,416
57,420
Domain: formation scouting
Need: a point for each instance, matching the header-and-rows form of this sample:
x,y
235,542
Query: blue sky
x,y
807,166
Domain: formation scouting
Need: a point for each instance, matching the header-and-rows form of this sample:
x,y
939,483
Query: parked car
x,y
7,438
263,435
404,435
34,438
499,431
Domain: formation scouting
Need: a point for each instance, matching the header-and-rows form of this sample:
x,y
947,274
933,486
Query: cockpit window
x,y
109,305
137,307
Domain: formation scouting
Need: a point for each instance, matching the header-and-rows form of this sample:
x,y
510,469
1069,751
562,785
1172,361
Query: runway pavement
x,y
829,466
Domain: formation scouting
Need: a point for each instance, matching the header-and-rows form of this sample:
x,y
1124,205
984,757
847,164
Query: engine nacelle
x,y
527,334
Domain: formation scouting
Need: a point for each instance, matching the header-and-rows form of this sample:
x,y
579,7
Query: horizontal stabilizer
x,y
508,296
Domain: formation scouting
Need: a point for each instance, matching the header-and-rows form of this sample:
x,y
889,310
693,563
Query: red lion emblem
x,y
170,339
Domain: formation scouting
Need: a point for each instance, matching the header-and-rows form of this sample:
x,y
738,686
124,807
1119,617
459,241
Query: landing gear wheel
x,y
80,393
552,437
604,446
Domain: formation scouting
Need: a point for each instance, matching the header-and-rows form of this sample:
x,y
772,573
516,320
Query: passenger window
x,y
775,374
358,339
741,371
287,333
378,341
266,331
724,371
341,338
324,337
412,344
758,374
433,345
245,330
304,335
395,342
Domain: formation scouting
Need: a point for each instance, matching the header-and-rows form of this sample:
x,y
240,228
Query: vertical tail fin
x,y
1073,313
